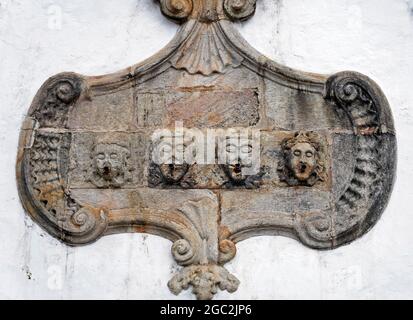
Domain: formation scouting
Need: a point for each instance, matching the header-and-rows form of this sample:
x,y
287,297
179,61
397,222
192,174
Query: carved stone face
x,y
238,158
110,165
171,169
302,160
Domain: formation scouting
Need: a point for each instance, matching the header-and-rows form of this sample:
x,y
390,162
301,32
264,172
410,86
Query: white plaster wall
x,y
43,37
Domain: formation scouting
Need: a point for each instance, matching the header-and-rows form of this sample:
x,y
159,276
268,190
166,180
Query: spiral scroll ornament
x,y
239,9
80,218
61,93
360,99
176,9
352,95
182,251
227,251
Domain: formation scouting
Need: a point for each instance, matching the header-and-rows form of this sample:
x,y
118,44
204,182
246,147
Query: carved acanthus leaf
x,y
205,281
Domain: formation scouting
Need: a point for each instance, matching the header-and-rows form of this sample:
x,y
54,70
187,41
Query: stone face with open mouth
x,y
173,172
235,172
109,163
302,160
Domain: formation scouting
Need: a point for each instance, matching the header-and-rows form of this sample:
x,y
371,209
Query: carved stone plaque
x,y
207,143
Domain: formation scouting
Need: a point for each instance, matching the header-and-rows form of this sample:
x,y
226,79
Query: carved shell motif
x,y
205,51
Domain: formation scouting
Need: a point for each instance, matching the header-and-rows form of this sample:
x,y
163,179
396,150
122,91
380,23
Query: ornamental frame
x,y
327,150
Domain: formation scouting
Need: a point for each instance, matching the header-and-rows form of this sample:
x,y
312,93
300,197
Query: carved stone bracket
x,y
86,166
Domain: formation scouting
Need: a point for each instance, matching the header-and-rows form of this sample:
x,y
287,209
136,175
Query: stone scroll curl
x,y
313,156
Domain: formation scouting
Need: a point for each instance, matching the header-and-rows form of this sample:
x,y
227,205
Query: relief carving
x,y
169,175
303,160
110,166
205,281
59,97
46,190
201,270
206,52
239,9
239,156
172,168
86,165
363,104
176,9
45,175
208,11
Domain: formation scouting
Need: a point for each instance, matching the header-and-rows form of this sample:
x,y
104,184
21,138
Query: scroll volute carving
x,y
177,9
57,97
239,9
208,10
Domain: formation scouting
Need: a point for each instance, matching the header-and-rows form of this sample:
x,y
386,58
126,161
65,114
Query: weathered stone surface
x,y
215,108
86,165
295,110
112,112
343,162
181,80
241,211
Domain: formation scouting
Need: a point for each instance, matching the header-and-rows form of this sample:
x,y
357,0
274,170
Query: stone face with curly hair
x,y
302,162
